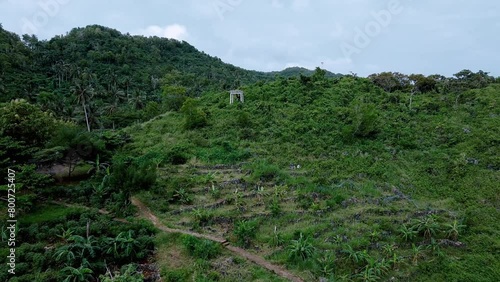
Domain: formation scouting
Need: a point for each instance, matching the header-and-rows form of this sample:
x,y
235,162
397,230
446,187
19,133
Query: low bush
x,y
201,248
245,231
301,249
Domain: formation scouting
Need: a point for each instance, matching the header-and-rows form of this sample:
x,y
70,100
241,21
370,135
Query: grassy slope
x,y
441,155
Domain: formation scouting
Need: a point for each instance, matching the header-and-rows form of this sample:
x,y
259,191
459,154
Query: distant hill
x,y
116,60
296,71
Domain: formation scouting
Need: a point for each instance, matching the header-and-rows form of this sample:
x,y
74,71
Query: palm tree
x,y
137,99
130,274
326,264
84,93
126,80
112,79
58,70
118,96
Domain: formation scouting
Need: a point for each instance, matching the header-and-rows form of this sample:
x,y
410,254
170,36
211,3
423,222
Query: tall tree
x,y
84,92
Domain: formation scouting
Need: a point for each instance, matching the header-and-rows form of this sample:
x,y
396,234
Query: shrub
x,y
427,226
301,248
178,154
151,110
364,118
79,143
128,273
26,123
174,97
275,207
194,117
177,275
265,171
454,229
243,119
276,239
407,234
304,200
245,231
225,152
325,264
201,248
215,192
31,179
132,174
202,216
182,196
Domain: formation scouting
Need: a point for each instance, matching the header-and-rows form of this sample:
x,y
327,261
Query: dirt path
x,y
146,213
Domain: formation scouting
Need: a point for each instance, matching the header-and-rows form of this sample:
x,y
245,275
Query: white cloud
x,y
175,31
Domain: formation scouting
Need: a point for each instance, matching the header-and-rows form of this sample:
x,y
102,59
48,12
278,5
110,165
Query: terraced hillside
x,y
333,180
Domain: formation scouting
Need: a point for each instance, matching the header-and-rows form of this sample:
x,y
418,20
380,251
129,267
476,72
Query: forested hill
x,y
297,71
119,72
112,58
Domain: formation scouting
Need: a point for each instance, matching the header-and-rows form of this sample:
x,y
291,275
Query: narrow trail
x,y
278,270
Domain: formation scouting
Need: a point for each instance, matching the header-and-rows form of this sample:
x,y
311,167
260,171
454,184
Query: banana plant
x,y
80,274
454,229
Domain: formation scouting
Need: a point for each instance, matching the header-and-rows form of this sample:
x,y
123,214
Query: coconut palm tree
x,y
137,99
84,93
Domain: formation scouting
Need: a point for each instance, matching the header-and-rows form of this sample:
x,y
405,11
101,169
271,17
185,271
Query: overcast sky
x,y
362,36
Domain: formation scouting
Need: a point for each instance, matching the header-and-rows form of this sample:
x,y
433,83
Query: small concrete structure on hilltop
x,y
238,94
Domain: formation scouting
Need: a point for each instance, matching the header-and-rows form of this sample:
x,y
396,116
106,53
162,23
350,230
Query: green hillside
x,y
385,190
130,164
122,77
